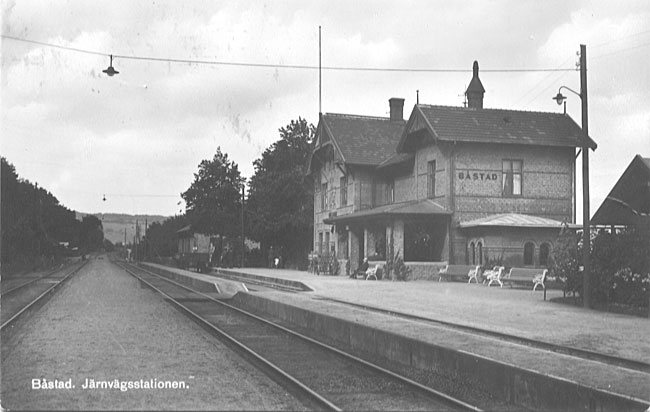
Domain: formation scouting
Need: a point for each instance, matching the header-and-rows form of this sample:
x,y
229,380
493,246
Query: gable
x,y
416,131
360,140
628,203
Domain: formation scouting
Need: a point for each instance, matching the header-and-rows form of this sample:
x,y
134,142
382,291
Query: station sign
x,y
477,175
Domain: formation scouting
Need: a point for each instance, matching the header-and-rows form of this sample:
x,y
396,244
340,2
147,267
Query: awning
x,y
515,220
412,208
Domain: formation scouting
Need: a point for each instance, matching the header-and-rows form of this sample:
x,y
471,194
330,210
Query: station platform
x,y
513,311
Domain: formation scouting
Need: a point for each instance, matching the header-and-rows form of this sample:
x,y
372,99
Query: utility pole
x,y
243,242
137,239
586,232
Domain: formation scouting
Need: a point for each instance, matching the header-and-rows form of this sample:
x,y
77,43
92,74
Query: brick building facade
x,y
449,185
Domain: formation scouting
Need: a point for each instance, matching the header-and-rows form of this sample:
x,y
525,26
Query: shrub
x,y
621,267
563,261
335,266
631,288
399,270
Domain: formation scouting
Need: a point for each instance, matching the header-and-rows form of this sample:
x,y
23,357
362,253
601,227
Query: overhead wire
x,y
620,39
537,85
597,56
282,66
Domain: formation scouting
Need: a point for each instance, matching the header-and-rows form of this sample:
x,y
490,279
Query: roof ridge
x,y
488,109
357,116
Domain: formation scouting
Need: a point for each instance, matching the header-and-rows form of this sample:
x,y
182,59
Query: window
x,y
529,250
544,251
431,179
344,191
472,253
390,192
320,243
479,252
327,243
379,234
418,242
512,177
323,196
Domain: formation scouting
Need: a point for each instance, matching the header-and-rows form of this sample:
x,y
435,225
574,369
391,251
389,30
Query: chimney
x,y
396,108
475,90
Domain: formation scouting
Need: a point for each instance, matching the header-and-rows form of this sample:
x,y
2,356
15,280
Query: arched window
x,y
529,250
472,253
544,251
479,251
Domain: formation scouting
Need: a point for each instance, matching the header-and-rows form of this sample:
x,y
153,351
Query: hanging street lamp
x,y
110,71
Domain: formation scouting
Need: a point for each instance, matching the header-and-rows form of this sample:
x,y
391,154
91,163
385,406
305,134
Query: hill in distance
x,y
118,226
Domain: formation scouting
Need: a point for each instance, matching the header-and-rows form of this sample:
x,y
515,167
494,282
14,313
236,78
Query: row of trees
x,y
35,224
278,211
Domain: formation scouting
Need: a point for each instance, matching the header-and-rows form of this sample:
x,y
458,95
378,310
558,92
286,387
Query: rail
x,y
319,347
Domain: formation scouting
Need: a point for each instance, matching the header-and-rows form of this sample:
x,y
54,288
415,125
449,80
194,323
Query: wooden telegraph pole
x,y
586,238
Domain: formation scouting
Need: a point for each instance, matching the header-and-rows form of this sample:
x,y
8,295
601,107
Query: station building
x,y
458,185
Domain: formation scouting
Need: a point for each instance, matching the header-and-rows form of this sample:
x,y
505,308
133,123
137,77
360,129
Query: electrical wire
x,y
282,66
620,39
620,51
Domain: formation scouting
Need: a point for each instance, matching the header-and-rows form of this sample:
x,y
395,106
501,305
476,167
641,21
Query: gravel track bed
x,y
102,325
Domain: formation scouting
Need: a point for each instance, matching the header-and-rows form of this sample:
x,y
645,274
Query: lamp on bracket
x,y
110,71
560,98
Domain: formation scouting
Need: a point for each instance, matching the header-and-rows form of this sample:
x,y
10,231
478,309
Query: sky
x,y
131,143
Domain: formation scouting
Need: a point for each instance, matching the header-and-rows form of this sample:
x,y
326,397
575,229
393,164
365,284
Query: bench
x,y
459,271
494,275
374,272
527,276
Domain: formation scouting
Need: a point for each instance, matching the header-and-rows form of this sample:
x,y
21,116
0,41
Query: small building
x,y
464,185
195,249
628,203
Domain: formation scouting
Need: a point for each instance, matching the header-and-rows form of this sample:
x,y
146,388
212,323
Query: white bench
x,y
526,276
372,272
462,271
494,275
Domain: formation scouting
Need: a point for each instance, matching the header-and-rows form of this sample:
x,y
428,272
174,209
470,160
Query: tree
x,y
162,236
213,200
33,221
280,201
91,234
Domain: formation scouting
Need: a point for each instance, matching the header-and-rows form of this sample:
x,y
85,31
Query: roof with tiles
x,y
628,203
364,140
460,124
396,158
514,220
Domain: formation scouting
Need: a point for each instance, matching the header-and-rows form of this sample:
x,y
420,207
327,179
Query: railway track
x,y
19,299
323,376
551,347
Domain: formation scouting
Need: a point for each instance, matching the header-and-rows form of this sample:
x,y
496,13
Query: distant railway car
x,y
195,250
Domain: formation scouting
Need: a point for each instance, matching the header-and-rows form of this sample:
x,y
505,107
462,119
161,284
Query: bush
x,y
397,270
564,260
621,267
631,288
